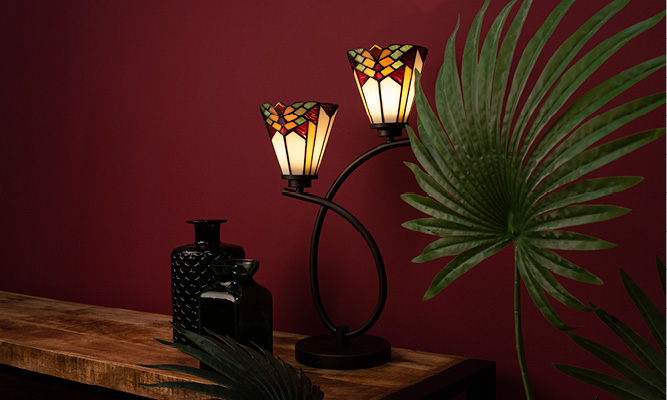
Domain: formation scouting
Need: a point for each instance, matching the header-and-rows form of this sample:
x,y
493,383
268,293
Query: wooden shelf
x,y
104,346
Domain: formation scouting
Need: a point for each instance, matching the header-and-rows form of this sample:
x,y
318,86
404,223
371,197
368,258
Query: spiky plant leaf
x,y
497,169
238,372
644,380
489,180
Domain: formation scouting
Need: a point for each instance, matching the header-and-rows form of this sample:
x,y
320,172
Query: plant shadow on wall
x,y
498,171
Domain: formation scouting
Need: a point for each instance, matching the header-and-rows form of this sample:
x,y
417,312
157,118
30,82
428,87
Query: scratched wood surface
x,y
103,346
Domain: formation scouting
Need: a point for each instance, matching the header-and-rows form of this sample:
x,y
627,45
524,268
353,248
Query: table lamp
x,y
299,134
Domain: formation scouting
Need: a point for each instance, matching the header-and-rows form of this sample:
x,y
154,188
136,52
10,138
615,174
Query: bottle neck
x,y
235,270
207,233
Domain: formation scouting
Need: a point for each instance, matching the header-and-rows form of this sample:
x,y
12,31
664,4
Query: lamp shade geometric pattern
x,y
385,78
299,134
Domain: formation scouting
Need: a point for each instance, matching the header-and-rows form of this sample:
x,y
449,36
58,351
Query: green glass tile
x,y
359,58
396,55
406,47
300,111
297,104
394,46
398,64
310,104
300,120
360,67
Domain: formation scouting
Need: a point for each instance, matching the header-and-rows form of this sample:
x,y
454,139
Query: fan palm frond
x,y
498,171
237,372
644,380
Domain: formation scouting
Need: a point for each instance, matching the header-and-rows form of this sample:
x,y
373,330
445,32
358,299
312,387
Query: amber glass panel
x,y
386,61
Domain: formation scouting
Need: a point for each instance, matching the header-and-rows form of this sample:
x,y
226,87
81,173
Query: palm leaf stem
x,y
519,335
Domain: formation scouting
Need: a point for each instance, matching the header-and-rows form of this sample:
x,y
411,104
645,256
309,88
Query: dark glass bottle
x,y
237,306
191,272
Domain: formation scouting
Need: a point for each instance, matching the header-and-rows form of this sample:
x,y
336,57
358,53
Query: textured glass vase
x,y
191,272
237,306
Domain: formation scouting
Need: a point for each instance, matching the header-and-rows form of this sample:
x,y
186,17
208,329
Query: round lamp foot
x,y
361,352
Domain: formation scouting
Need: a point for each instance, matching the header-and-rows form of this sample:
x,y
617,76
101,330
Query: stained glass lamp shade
x,y
385,78
299,134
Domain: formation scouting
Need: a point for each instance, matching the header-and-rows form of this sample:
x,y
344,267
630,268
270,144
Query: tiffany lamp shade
x,y
299,134
385,78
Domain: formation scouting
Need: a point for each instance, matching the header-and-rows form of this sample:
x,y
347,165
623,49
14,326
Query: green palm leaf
x,y
497,170
644,380
238,372
649,311
575,215
461,264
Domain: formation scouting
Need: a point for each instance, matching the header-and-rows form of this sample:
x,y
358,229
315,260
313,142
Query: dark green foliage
x,y
239,372
502,162
496,171
644,380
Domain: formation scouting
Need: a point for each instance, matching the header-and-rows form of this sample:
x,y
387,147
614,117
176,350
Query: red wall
x,y
121,120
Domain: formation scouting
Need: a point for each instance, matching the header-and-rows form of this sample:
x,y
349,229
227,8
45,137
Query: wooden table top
x,y
103,346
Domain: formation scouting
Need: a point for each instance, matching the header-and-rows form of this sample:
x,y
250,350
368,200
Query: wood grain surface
x,y
104,347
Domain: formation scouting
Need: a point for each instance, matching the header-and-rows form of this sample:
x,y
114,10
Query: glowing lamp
x,y
385,78
299,134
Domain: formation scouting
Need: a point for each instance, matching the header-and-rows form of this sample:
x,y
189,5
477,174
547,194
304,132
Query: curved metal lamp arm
x,y
382,276
326,203
379,149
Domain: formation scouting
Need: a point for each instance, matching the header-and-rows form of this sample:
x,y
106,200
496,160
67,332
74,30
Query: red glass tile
x,y
409,57
312,114
422,52
329,108
302,130
362,77
398,75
